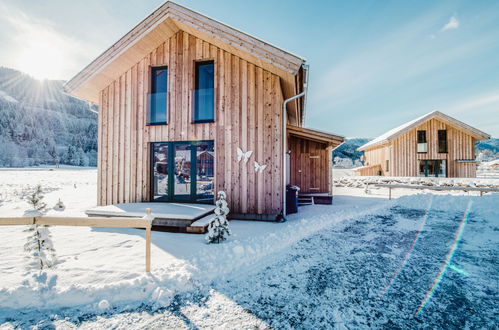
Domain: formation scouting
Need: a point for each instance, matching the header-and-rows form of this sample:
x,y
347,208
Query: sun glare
x,y
42,60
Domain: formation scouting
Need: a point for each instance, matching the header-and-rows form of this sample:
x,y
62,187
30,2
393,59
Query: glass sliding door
x,y
205,171
191,165
182,172
160,171
433,168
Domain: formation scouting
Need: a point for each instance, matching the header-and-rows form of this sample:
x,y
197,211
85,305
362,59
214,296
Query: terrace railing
x,y
104,222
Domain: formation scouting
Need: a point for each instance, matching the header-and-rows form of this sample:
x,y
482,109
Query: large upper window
x,y
422,144
204,96
158,99
442,141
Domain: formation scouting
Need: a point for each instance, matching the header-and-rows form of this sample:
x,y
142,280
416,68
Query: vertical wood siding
x,y
248,104
405,159
309,165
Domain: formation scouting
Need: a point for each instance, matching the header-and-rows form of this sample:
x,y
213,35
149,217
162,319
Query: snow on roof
x,y
397,131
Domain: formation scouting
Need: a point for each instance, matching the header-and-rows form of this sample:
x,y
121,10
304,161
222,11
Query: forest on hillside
x,y
40,124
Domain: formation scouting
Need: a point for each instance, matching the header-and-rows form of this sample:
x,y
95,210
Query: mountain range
x,y
41,124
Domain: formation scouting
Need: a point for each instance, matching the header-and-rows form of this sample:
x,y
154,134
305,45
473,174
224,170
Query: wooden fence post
x,y
148,242
148,249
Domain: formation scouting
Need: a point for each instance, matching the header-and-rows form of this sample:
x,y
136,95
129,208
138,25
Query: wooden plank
x,y
244,136
276,141
227,166
134,128
127,135
173,87
252,144
235,129
122,163
116,141
103,143
220,123
186,113
109,146
93,222
260,156
146,133
267,146
99,152
17,221
140,130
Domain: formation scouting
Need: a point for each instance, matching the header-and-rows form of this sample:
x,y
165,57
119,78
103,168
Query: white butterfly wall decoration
x,y
259,168
243,155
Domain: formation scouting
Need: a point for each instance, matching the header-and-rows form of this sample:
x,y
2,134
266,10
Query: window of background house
x,y
204,96
422,144
442,141
387,165
158,98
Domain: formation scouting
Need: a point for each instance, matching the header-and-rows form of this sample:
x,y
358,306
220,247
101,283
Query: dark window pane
x,y
421,136
442,141
182,171
204,97
205,174
422,146
158,99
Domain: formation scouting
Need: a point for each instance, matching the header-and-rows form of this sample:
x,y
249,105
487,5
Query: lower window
x,y
183,171
433,168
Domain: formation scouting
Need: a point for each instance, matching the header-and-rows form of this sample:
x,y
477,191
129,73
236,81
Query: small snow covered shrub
x,y
218,228
35,199
38,247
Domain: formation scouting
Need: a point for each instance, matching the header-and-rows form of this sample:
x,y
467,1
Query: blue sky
x,y
373,64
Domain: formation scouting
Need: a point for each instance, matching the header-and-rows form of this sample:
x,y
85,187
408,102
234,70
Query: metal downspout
x,y
285,138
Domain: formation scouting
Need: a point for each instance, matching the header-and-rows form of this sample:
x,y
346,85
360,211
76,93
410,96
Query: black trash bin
x,y
291,199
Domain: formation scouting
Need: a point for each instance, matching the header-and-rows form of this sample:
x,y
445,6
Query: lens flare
x,y
409,253
448,260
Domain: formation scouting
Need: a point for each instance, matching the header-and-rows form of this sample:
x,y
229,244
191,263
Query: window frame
x,y
170,196
425,141
152,86
195,88
439,141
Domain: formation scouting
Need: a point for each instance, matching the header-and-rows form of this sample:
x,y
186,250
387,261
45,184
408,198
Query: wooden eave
x,y
163,23
314,135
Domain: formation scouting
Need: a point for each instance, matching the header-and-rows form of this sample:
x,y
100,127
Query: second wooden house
x,y
433,145
190,106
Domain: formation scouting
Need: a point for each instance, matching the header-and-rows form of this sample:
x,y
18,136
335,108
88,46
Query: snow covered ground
x,y
362,262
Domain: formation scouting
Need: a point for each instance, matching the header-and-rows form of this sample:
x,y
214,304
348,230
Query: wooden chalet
x,y
434,145
179,94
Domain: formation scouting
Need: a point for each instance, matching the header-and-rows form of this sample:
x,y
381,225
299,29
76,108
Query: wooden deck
x,y
170,217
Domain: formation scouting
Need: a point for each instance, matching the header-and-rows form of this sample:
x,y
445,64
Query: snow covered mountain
x,y
346,155
487,150
40,124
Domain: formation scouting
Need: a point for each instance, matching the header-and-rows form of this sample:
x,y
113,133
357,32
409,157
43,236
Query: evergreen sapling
x,y
218,228
39,246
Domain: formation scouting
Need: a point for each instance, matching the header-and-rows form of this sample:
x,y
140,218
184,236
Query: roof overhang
x,y
379,142
164,22
315,135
